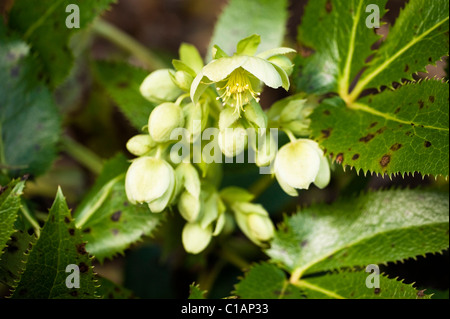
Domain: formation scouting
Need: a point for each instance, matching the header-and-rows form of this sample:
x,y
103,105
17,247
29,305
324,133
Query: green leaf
x,y
13,261
9,206
419,37
266,281
109,222
353,285
29,119
337,34
110,290
394,132
122,82
242,18
374,228
45,24
190,56
195,292
58,246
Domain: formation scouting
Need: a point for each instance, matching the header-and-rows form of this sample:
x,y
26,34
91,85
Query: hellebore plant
x,y
191,187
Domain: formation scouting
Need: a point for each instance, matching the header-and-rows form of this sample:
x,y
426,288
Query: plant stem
x,y
123,40
234,259
261,185
82,154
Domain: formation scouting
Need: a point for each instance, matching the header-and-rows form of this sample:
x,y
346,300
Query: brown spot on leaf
x,y
87,230
74,293
355,157
339,158
115,231
116,216
304,243
381,130
376,291
367,138
66,220
396,147
385,160
71,231
373,124
326,112
83,267
81,249
431,98
421,293
397,110
328,6
421,104
427,144
326,133
408,133
406,68
122,85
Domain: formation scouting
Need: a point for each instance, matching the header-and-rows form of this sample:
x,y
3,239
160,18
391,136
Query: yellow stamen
x,y
238,90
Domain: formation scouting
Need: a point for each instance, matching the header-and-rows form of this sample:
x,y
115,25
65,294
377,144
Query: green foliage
x,y
195,292
122,82
336,32
110,290
9,206
29,119
267,281
108,221
392,225
394,132
58,246
45,23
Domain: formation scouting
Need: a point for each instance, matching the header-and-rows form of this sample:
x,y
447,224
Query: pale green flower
x,y
150,180
163,120
238,78
158,87
254,221
140,144
196,238
300,163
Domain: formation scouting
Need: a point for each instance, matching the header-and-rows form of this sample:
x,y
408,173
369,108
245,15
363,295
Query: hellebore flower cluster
x,y
224,94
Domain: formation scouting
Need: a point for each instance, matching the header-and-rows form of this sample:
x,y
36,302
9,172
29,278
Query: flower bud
x,y
300,163
163,120
254,221
140,144
182,79
189,206
195,238
158,87
150,180
266,151
232,141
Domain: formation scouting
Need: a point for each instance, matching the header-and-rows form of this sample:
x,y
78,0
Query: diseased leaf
x,y
122,82
58,246
394,132
374,228
419,37
338,41
110,224
242,18
29,119
44,22
13,260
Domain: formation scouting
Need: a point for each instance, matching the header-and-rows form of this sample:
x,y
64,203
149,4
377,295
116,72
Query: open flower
x,y
238,78
300,163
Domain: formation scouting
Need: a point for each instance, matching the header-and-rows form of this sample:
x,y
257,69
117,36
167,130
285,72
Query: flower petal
x,y
199,85
264,71
195,238
276,51
218,70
